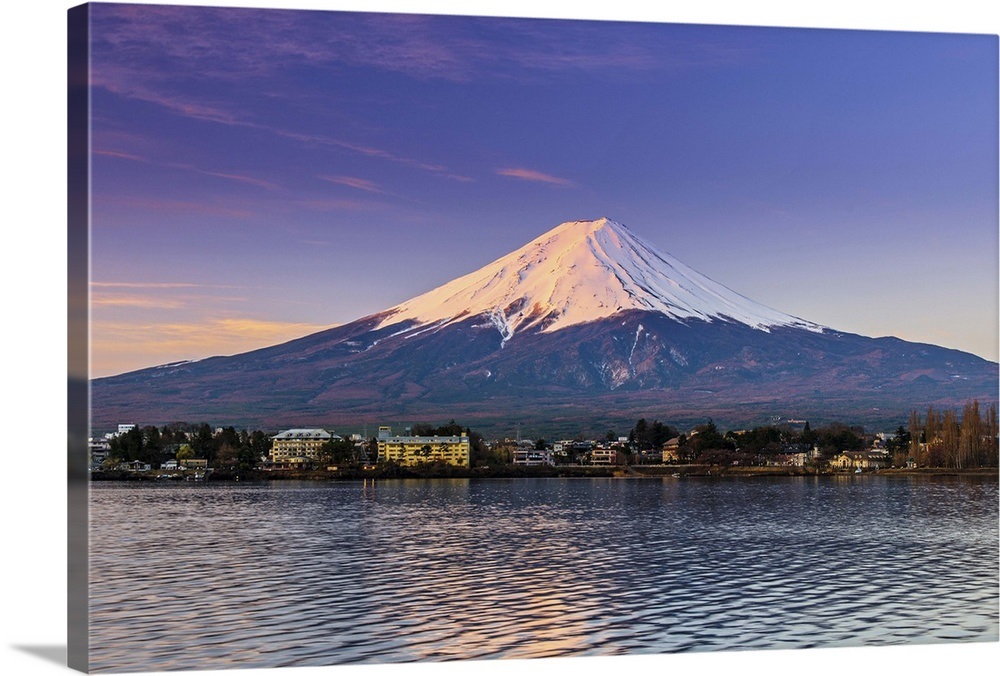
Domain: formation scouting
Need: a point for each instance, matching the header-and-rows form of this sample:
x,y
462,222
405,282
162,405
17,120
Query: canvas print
x,y
421,338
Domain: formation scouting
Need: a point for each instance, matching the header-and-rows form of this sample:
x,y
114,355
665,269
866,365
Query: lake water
x,y
203,576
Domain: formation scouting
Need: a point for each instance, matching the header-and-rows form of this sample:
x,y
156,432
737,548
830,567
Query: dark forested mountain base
x,y
591,376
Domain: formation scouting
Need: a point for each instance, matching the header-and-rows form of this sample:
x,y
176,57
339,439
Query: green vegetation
x,y
224,449
649,437
954,440
338,452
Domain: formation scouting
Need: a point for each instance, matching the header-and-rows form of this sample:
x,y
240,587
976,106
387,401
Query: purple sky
x,y
35,301
261,174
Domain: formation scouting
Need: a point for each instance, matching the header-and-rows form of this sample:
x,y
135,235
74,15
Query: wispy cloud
x,y
189,60
135,301
110,300
122,78
223,43
142,285
367,151
241,178
532,175
353,182
194,111
338,205
167,84
233,177
119,155
160,285
110,296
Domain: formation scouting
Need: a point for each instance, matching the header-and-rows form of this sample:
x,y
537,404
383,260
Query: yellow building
x,y
410,450
298,443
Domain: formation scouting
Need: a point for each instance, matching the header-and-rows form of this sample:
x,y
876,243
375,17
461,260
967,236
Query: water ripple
x,y
206,576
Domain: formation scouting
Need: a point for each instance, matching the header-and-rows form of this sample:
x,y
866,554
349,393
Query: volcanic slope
x,y
585,327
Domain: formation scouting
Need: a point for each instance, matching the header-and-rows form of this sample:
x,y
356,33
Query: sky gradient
x,y
261,174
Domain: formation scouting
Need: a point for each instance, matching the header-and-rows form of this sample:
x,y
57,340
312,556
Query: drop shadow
x,y
50,653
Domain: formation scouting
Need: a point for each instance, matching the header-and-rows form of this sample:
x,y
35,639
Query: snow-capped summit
x,y
582,271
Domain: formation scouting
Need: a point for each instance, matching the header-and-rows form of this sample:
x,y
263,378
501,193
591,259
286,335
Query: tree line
x,y
226,448
705,444
955,439
947,439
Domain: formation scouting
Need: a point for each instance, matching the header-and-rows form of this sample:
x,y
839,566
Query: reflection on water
x,y
206,576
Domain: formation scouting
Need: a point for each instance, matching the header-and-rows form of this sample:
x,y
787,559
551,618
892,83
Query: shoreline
x,y
521,472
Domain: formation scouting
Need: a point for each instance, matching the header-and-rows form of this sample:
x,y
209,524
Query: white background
x,y
34,303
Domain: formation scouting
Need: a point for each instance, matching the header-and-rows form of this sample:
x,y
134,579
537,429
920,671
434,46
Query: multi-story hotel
x,y
531,457
410,450
298,443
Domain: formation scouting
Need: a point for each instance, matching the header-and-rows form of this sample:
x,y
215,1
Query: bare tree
x,y
950,440
915,432
970,436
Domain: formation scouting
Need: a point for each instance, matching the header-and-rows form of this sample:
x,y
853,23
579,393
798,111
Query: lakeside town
x,y
964,441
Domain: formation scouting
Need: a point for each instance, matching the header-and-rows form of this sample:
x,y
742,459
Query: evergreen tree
x,y
247,457
337,451
129,446
641,431
808,435
203,443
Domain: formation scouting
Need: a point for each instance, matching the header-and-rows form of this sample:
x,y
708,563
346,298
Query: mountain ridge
x,y
586,323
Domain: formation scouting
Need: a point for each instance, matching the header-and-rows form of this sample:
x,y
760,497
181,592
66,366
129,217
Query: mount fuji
x,y
587,326
579,272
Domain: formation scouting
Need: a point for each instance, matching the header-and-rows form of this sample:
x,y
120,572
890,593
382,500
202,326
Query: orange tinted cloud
x,y
118,347
125,300
143,285
148,295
